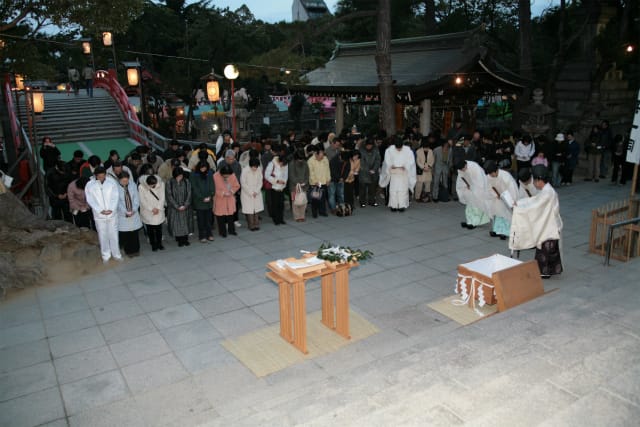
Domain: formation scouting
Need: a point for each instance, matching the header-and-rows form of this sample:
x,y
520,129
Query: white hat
x,y
560,137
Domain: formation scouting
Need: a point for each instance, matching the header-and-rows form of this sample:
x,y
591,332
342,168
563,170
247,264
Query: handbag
x,y
265,182
300,197
316,193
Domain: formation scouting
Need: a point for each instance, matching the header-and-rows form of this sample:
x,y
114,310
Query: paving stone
x,y
22,355
93,391
203,356
175,315
84,364
33,409
16,314
190,334
26,332
172,404
108,296
237,322
160,300
149,285
127,328
76,341
218,304
138,349
598,409
69,322
116,311
124,412
154,372
24,381
202,290
257,294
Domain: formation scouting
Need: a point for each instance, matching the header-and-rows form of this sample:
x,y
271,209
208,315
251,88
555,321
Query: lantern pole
x,y
231,73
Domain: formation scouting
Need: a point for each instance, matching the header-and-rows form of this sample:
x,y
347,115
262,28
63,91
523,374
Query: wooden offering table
x,y
290,275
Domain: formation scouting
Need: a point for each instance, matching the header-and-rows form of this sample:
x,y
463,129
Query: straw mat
x,y
462,314
264,351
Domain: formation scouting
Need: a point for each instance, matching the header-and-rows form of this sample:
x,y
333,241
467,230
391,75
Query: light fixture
x,y
231,72
133,76
19,82
107,38
213,88
86,47
629,48
38,102
458,81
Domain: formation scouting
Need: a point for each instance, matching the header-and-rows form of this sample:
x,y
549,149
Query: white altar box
x,y
479,274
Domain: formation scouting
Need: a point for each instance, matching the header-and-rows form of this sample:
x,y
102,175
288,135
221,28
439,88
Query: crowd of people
x,y
191,189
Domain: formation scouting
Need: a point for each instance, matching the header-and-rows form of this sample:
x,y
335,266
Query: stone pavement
x,y
140,345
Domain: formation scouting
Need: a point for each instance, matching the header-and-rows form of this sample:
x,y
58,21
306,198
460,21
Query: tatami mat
x,y
264,351
462,314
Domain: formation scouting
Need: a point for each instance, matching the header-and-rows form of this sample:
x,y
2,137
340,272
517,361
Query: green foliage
x,y
342,254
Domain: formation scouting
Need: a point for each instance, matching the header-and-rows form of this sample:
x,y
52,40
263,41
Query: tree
x,y
91,15
524,21
383,66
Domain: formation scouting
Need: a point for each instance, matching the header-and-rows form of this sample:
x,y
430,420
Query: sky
x,y
279,10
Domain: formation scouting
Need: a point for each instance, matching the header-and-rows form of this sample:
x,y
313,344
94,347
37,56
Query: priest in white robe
x,y
471,186
526,188
502,192
102,195
399,173
536,222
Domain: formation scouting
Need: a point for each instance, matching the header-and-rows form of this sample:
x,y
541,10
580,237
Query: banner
x,y
633,152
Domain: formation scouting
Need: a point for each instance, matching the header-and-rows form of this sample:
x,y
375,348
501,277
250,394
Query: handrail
x,y
607,254
108,81
13,115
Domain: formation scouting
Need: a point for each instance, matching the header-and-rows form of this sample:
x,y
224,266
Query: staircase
x,y
70,118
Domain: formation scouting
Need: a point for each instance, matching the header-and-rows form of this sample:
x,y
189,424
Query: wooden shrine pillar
x,y
339,114
425,117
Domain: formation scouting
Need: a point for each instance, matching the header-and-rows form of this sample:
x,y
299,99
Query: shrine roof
x,y
419,64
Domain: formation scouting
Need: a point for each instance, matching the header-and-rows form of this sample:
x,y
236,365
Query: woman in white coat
x,y
128,216
152,209
251,194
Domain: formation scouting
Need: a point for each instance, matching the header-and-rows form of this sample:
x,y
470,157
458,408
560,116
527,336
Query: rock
x,y
37,252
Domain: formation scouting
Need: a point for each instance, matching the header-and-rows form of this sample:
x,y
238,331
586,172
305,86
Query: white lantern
x,y
213,91
133,76
86,48
231,72
38,102
107,38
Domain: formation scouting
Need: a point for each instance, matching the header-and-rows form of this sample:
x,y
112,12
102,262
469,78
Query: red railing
x,y
107,80
13,118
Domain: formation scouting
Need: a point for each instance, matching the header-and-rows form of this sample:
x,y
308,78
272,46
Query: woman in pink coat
x,y
226,186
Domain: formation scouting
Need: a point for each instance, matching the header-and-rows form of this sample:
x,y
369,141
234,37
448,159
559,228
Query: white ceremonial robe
x,y
502,192
104,197
399,173
526,190
471,186
535,220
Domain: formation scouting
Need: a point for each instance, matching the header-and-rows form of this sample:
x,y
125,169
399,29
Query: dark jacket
x,y
202,187
298,173
50,156
369,161
339,168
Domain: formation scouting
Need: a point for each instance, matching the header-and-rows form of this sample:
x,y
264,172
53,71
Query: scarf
x,y
127,199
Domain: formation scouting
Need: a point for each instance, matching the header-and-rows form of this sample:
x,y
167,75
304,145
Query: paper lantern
x,y
107,38
38,102
19,82
213,91
133,76
86,48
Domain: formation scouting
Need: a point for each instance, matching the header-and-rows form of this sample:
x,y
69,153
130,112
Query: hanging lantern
x,y
19,82
38,102
86,47
107,38
133,76
213,91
